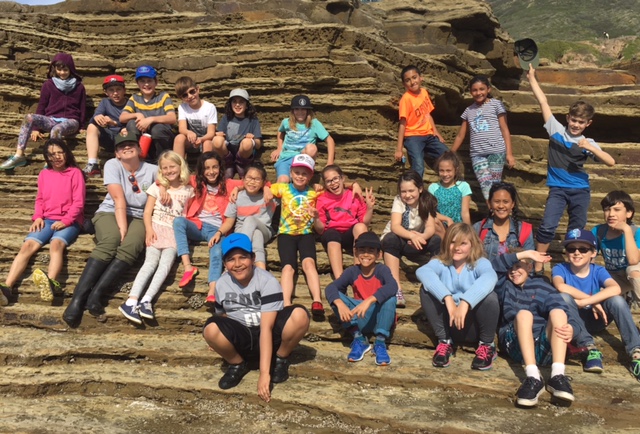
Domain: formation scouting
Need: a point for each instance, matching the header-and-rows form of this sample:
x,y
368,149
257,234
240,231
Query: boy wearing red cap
x,y
105,124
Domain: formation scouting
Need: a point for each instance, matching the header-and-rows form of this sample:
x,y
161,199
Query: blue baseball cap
x,y
580,236
236,241
146,71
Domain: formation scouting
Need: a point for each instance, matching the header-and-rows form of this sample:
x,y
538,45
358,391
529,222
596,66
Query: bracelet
x,y
220,232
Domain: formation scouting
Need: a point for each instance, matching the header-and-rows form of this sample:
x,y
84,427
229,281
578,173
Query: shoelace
x,y
443,349
484,351
594,354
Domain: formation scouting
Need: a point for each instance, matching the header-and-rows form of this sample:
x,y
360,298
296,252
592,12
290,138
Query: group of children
x,y
477,280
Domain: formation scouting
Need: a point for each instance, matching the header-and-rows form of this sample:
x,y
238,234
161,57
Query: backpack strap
x,y
600,234
525,231
483,230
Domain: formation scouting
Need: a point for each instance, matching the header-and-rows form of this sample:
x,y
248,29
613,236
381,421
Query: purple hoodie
x,y
57,104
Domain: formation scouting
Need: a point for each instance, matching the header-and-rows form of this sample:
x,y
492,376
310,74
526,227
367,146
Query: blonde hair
x,y
307,122
176,158
455,235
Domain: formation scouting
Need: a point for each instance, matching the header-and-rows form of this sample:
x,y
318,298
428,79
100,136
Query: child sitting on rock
x,y
534,328
197,119
372,307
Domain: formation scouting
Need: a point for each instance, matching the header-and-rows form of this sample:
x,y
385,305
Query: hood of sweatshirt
x,y
67,59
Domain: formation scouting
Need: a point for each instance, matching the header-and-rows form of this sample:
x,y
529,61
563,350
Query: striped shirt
x,y
484,127
159,105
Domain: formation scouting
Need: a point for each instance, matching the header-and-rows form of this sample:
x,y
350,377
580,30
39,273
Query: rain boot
x,y
90,275
115,270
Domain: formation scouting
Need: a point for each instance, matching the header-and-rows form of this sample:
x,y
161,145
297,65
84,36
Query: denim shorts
x,y
283,167
67,235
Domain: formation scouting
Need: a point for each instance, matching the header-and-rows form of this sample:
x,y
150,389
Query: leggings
x,y
259,233
488,170
45,124
157,264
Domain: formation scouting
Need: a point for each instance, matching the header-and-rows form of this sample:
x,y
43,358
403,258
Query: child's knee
x,y
524,316
311,150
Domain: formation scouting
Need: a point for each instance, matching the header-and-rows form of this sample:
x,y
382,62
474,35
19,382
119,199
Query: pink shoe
x,y
187,277
210,299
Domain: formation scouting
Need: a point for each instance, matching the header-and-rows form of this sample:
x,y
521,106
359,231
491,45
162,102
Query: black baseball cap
x,y
527,52
368,239
301,102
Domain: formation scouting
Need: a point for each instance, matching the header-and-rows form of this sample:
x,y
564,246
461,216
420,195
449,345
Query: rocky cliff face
x,y
346,55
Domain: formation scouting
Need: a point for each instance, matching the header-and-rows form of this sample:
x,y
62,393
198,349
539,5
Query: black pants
x,y
479,325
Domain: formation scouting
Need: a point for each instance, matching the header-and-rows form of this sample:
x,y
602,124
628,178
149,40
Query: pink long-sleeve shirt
x,y
60,196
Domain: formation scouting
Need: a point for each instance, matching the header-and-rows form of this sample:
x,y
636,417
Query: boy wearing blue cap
x,y
150,112
251,321
590,291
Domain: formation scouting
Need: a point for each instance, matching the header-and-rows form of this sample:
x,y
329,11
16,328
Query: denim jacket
x,y
492,241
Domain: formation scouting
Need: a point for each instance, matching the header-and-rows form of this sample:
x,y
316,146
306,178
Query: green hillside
x,y
568,20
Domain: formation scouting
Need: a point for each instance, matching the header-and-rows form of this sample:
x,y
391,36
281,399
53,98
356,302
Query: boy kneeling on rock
x,y
251,322
535,326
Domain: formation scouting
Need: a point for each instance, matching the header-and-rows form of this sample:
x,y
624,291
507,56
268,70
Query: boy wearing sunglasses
x,y
197,119
590,291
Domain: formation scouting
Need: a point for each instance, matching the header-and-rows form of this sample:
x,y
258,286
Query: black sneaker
x,y
560,387
233,376
529,391
280,370
92,170
485,355
442,354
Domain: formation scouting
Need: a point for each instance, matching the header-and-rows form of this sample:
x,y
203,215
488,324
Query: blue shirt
x,y
614,250
296,140
590,284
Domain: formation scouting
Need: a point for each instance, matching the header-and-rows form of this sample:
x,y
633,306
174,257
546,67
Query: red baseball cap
x,y
112,79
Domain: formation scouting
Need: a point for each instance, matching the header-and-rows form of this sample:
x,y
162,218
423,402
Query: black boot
x,y
90,275
115,270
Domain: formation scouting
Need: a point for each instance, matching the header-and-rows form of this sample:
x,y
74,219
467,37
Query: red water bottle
x,y
145,144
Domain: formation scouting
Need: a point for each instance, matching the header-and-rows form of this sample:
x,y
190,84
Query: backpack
x,y
602,232
525,231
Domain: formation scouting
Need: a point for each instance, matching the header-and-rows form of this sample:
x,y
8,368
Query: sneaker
x,y
13,162
145,309
593,362
359,347
5,293
634,367
317,309
400,301
382,356
560,387
442,354
485,355
131,313
92,170
187,277
42,282
529,391
280,370
233,376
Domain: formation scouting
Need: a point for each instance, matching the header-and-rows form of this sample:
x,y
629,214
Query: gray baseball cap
x,y
239,92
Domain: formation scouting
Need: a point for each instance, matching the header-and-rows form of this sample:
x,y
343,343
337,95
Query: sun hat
x,y
527,52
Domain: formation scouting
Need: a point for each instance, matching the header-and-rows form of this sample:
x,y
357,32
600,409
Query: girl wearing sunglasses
x,y
120,231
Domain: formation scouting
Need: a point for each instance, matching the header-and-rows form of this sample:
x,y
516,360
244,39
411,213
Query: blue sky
x,y
37,2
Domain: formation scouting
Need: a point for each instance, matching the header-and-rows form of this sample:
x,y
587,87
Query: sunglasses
x,y
572,249
134,183
188,93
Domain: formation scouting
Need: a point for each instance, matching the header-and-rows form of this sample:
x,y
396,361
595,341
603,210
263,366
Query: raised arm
x,y
539,94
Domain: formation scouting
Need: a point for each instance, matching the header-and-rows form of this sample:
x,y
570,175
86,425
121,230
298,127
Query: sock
x,y
93,161
146,299
381,338
491,344
557,369
532,371
131,302
355,332
635,354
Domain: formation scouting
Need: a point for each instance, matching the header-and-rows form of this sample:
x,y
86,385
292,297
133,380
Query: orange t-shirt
x,y
415,108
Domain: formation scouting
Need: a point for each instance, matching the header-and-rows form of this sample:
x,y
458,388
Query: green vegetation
x,y
567,20
555,50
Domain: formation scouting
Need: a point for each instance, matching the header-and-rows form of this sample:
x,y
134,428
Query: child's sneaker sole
x,y
41,280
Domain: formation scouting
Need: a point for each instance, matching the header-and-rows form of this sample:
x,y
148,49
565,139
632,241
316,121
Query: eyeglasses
x,y
134,183
55,154
252,180
572,249
188,93
333,180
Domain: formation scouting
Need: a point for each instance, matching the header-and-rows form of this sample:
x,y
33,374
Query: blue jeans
x,y
418,146
186,230
575,199
379,318
67,235
616,309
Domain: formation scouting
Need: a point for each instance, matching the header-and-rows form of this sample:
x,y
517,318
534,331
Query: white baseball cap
x,y
239,92
303,160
